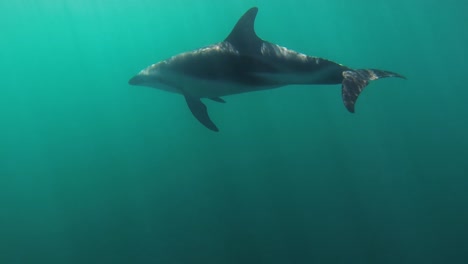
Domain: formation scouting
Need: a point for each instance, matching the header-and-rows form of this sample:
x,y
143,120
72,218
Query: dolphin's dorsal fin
x,y
243,36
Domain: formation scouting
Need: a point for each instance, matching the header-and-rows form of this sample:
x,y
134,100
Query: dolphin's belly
x,y
206,88
288,78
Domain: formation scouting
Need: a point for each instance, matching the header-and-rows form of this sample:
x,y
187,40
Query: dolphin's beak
x,y
135,80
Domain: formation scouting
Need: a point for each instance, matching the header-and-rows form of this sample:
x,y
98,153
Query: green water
x,y
93,170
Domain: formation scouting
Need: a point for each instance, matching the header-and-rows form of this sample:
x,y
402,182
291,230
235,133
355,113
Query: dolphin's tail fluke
x,y
355,80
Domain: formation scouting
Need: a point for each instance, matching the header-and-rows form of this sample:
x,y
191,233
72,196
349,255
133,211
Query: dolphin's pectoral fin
x,y
218,99
200,112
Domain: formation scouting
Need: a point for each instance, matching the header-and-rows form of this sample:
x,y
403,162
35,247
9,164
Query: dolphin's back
x,y
307,69
220,62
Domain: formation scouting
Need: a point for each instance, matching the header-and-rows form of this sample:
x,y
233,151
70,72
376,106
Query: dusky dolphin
x,y
242,63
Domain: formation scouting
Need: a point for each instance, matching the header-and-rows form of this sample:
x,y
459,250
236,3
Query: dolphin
x,y
242,63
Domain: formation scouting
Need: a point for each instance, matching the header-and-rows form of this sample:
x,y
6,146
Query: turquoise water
x,y
93,170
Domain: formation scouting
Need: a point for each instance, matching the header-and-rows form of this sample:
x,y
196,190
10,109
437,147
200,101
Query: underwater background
x,y
93,170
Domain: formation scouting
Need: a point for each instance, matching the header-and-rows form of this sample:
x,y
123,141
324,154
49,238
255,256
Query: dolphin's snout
x,y
135,80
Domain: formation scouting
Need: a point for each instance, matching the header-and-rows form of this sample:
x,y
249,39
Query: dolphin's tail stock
x,y
354,82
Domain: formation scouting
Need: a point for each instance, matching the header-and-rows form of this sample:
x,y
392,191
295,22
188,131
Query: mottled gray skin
x,y
245,63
